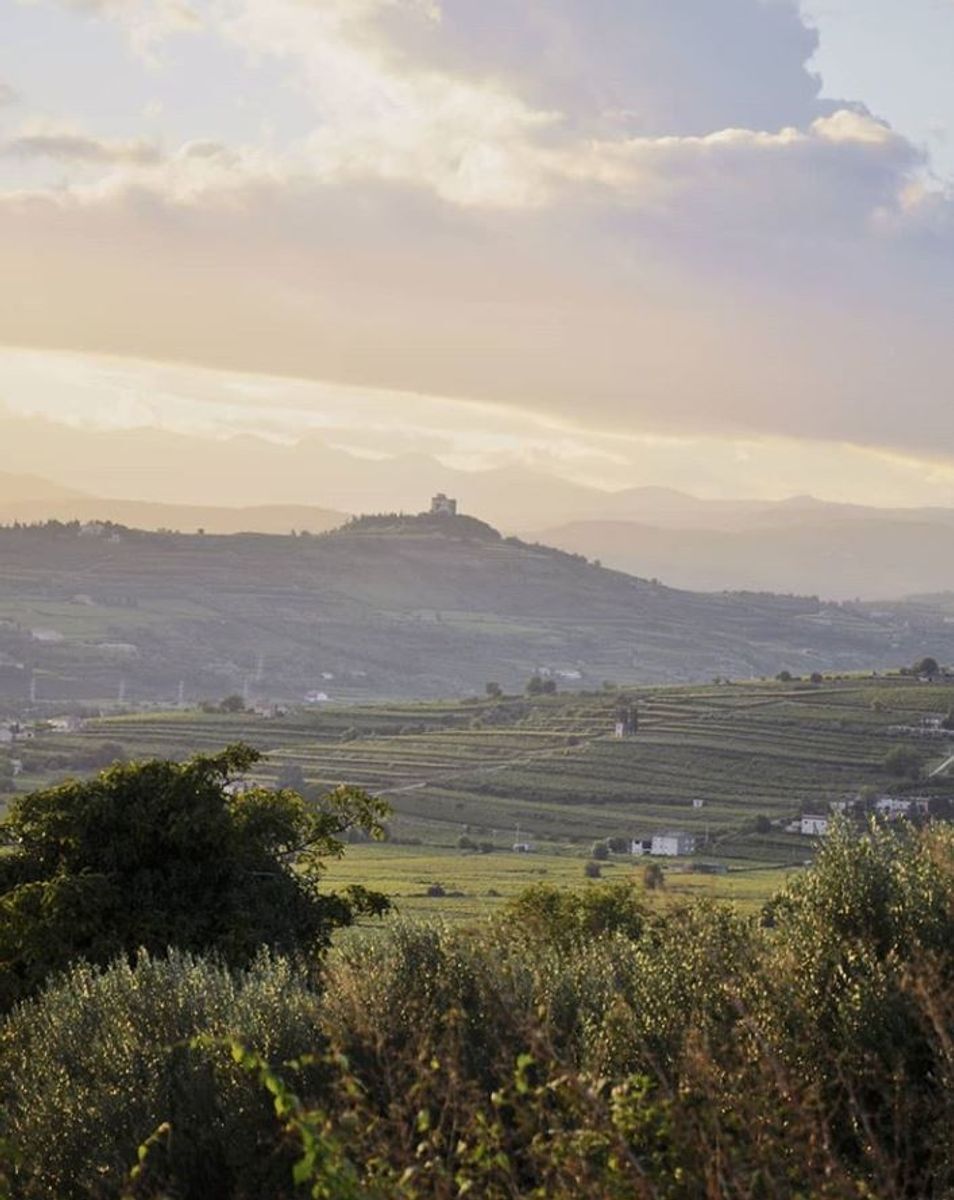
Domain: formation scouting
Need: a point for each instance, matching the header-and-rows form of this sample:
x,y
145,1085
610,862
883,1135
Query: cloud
x,y
639,214
73,147
639,66
146,22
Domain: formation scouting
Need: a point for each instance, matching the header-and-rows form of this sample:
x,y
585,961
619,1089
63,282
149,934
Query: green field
x,y
730,763
478,884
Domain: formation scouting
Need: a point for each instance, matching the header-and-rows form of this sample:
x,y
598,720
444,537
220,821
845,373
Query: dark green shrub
x,y
99,1060
158,854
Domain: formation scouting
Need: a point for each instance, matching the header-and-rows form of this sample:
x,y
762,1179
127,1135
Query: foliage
x,y
100,1061
903,762
560,917
157,854
580,1045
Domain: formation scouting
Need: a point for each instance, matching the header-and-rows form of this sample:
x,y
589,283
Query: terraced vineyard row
x,y
709,760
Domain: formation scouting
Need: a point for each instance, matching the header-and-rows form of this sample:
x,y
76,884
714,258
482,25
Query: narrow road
x,y
943,767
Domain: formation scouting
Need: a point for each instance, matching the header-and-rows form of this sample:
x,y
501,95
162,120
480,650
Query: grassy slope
x,y
410,609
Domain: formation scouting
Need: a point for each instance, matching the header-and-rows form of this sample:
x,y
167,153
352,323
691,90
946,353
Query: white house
x,y
814,825
893,807
238,787
672,845
65,724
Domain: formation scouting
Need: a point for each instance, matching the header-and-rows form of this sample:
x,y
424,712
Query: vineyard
x,y
730,763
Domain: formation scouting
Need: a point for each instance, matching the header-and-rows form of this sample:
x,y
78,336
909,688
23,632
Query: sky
x,y
699,243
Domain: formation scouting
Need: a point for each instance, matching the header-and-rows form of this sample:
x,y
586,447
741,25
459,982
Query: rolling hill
x,y
390,607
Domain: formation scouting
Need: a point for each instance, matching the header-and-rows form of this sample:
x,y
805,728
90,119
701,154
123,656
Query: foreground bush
x,y
577,1047
99,1062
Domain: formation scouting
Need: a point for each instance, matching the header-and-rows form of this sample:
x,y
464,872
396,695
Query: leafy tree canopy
x,y
158,854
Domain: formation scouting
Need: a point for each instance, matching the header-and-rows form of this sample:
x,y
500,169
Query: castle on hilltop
x,y
443,506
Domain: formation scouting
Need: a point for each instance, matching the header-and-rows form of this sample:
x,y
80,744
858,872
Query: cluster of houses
x,y
927,727
888,808
12,732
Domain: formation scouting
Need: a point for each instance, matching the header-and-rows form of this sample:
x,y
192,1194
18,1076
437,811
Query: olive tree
x,y
152,855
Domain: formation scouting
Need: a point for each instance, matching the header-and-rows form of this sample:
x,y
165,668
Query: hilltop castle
x,y
443,506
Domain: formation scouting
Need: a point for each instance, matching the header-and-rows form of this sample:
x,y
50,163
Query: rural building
x,y
640,846
627,721
672,845
6,736
894,807
814,825
443,506
65,724
698,802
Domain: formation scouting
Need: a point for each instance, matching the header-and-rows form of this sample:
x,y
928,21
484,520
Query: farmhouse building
x,y
672,845
814,825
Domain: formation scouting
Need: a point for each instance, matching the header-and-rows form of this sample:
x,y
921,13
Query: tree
x,y
903,763
600,851
291,777
654,877
784,676
494,690
156,854
817,677
233,704
927,667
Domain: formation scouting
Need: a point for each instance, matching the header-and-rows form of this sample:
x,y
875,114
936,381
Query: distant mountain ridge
x,y
880,557
800,544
